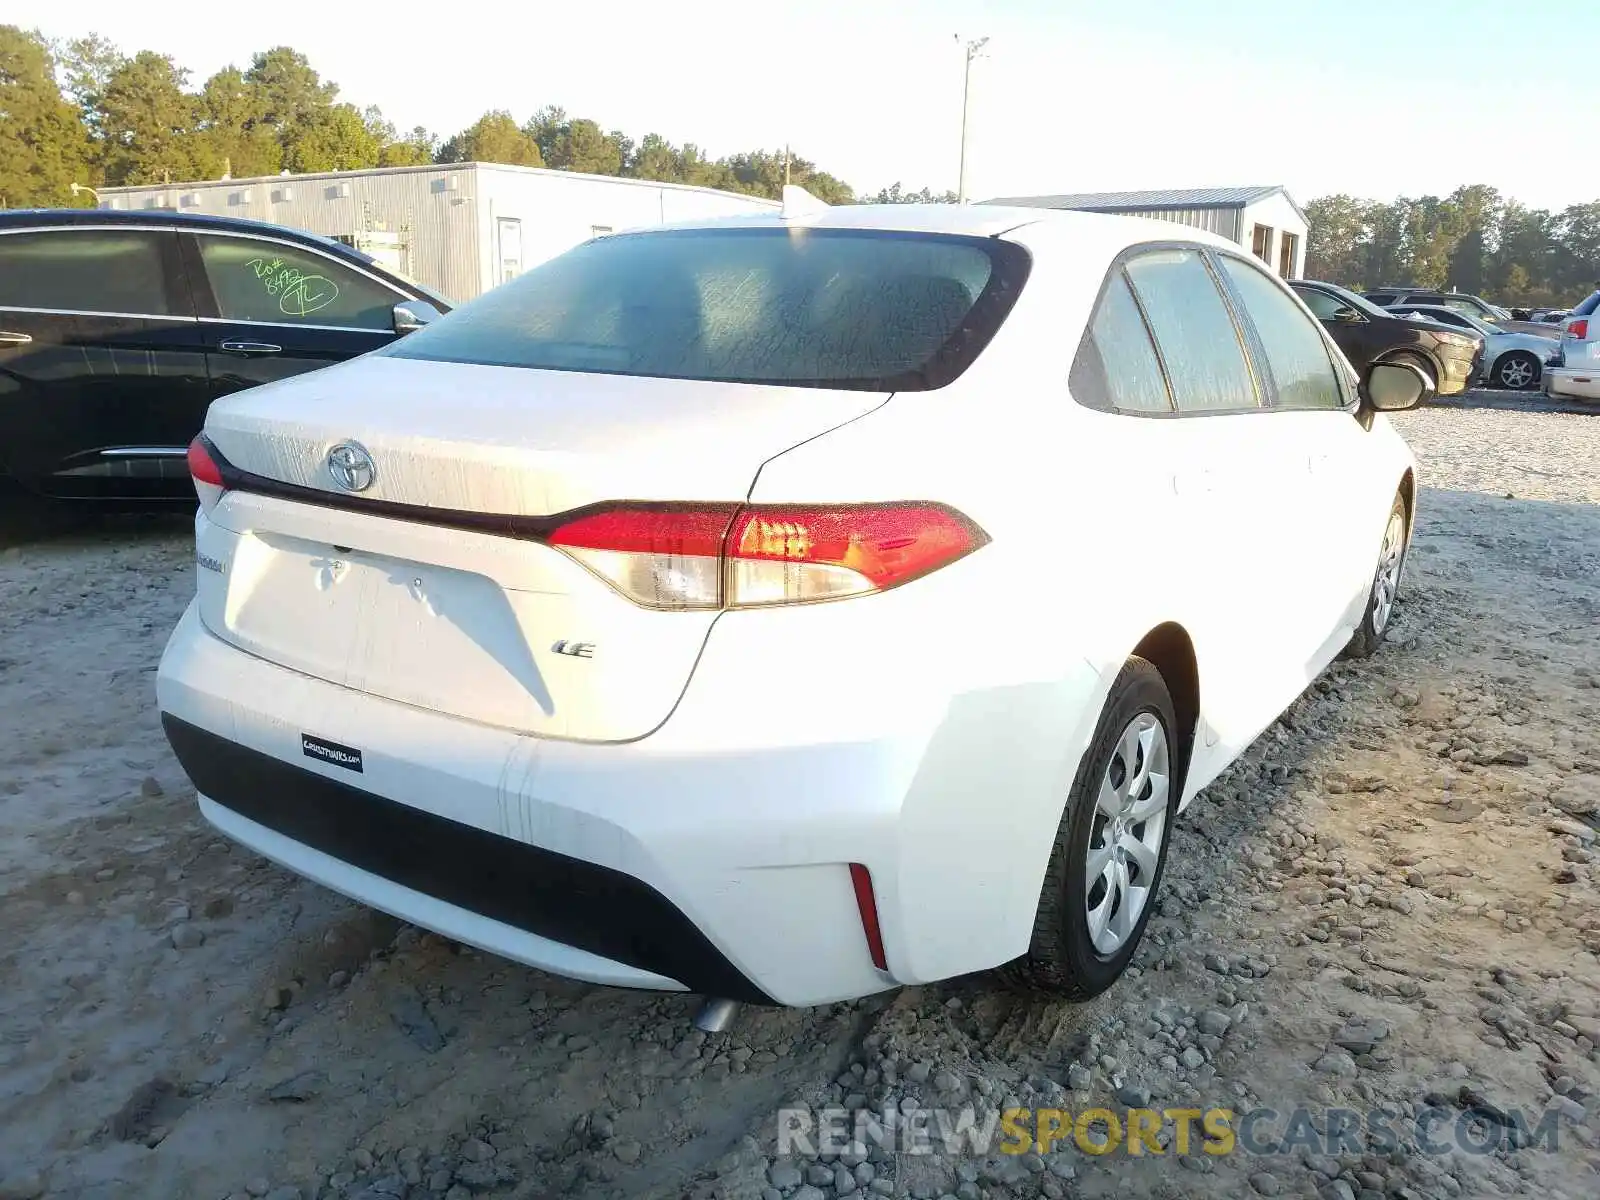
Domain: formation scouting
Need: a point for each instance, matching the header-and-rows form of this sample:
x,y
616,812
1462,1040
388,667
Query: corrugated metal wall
x,y
448,216
1224,221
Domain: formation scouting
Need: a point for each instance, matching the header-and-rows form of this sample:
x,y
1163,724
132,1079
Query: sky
x,y
1376,98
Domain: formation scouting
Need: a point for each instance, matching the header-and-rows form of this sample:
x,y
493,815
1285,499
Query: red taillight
x,y
201,465
733,556
867,903
1578,330
207,475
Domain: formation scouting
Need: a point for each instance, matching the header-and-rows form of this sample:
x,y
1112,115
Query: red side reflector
x,y
201,465
861,880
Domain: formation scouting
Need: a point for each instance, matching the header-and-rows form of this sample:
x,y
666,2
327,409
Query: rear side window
x,y
1322,305
85,271
1297,355
1116,367
1588,306
1195,331
806,308
271,282
1381,298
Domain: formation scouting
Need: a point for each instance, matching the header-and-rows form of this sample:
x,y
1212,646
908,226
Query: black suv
x,y
1367,335
117,329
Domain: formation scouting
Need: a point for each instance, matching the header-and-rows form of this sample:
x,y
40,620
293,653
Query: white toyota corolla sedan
x,y
790,607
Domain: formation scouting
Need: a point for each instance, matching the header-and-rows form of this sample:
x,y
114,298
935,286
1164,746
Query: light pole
x,y
79,187
974,48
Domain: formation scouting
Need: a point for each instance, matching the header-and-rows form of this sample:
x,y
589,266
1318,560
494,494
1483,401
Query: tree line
x,y
1474,240
83,112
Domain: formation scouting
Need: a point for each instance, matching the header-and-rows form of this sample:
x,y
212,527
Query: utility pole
x,y
786,164
974,47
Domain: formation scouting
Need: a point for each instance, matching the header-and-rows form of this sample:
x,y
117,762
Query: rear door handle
x,y
251,348
15,339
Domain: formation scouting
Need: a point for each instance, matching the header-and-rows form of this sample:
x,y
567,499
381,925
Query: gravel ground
x,y
1391,901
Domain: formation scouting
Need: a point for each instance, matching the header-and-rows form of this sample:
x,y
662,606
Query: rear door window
x,y
1381,298
1116,368
118,271
1297,354
1323,306
798,307
278,284
1195,331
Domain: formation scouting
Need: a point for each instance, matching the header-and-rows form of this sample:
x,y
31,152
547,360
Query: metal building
x,y
1264,220
459,229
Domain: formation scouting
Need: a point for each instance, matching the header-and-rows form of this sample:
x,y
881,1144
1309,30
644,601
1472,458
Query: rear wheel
x,y
1385,586
1111,846
1517,369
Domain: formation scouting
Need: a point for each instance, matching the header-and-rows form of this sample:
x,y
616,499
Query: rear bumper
x,y
678,862
1565,381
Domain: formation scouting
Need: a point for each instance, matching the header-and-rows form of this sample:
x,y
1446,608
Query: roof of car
x,y
160,216
973,220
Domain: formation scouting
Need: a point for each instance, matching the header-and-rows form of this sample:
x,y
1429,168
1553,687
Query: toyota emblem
x,y
351,466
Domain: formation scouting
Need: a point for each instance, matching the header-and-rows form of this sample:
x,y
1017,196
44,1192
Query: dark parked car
x,y
1473,306
118,329
1367,334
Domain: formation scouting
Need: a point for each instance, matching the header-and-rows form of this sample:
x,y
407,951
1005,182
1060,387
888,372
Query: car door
x,y
1349,328
1314,414
1234,487
271,308
102,374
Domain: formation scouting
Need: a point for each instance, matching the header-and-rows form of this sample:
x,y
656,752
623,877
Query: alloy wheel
x,y
1125,837
1386,582
1517,373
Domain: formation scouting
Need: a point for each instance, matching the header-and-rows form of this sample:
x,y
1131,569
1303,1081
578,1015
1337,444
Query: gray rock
x,y
807,1192
1578,796
1079,1077
947,1081
287,1192
258,1187
411,1016
1338,1189
474,1150
187,937
627,1151
1569,1109
1266,1184
298,1089
1192,1058
1133,1096
150,787
783,1176
485,1176
864,1174
918,1072
1214,1022
819,1175
278,997
1335,1062
1361,1037
843,1180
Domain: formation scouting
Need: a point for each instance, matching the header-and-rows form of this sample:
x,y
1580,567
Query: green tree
x,y
87,64
235,138
413,150
288,92
657,158
147,123
333,139
43,145
895,194
493,137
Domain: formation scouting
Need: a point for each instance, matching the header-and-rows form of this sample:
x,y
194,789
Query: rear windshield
x,y
866,309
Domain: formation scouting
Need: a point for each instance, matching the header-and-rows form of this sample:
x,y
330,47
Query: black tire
x,y
1515,358
1061,958
1375,623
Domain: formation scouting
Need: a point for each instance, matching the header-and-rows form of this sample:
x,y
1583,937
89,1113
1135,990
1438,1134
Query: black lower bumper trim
x,y
577,903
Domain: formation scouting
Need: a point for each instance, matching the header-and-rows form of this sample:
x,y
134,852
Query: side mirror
x,y
1346,315
1394,387
412,315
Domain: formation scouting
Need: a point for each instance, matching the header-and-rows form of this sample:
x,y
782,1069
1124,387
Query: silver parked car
x,y
1510,360
1577,371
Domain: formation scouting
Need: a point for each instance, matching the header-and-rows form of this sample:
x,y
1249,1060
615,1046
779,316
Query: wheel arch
x,y
1408,495
1169,648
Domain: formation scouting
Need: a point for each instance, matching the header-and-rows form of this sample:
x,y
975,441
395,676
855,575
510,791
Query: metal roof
x,y
1160,199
